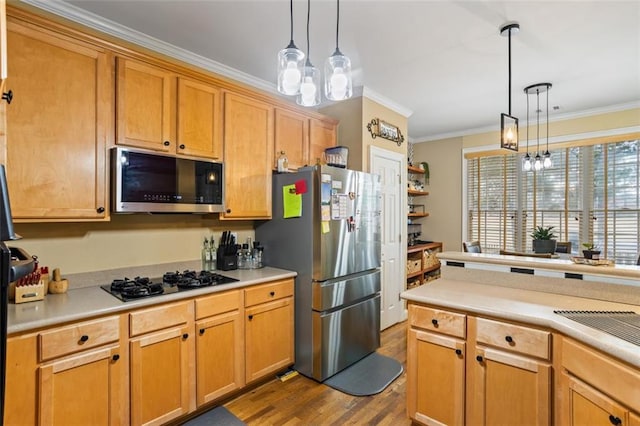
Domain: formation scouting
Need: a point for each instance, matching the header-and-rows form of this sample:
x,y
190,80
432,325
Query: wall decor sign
x,y
385,130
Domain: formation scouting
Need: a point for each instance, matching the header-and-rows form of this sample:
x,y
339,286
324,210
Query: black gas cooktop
x,y
171,282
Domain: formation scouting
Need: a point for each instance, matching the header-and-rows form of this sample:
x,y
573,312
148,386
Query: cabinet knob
x,y
458,351
166,143
479,358
84,338
615,420
100,209
434,322
8,96
228,210
202,331
115,357
272,293
509,339
185,336
182,146
250,317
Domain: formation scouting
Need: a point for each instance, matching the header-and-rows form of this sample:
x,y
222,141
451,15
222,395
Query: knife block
x,y
226,262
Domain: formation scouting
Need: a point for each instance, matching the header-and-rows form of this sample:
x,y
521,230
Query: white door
x,y
389,165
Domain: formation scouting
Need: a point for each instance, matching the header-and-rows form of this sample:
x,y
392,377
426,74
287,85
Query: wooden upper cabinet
x,y
144,101
199,119
322,135
159,110
3,44
292,137
57,125
248,154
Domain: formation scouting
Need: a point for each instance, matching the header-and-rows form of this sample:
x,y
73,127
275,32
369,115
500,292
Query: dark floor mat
x,y
218,416
369,376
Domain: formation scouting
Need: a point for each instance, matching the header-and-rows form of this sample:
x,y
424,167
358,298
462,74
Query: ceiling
x,y
443,63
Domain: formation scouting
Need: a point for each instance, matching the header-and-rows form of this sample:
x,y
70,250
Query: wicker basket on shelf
x,y
430,259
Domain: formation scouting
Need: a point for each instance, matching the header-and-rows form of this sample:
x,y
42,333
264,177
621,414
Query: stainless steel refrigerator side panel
x,y
368,222
331,294
343,337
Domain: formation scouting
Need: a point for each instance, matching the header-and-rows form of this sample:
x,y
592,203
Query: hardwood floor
x,y
302,401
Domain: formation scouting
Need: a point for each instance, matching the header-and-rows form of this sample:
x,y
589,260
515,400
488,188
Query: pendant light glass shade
x,y
310,91
290,65
526,163
547,163
338,84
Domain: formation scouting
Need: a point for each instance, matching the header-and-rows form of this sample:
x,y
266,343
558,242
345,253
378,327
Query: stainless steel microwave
x,y
143,181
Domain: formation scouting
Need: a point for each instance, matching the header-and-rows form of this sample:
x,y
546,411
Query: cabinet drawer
x,y
78,337
514,338
268,292
218,304
153,319
445,322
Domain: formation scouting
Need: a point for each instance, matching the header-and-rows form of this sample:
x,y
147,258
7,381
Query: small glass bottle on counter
x,y
213,250
206,255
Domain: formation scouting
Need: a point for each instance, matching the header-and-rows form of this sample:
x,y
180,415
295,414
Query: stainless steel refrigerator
x,y
326,227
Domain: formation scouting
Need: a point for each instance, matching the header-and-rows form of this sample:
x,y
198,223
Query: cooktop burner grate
x,y
622,324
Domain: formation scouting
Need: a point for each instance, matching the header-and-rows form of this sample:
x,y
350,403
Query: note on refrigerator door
x,y
339,206
291,202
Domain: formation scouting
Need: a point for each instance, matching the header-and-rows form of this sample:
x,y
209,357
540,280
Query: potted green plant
x,y
590,251
543,239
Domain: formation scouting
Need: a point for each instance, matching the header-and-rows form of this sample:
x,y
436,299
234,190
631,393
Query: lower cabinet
x,y
161,348
462,369
219,345
595,389
150,366
269,328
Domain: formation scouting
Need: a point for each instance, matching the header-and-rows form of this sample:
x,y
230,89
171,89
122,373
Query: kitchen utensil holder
x,y
28,293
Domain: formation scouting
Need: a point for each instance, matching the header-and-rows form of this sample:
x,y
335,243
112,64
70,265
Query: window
x,y
592,193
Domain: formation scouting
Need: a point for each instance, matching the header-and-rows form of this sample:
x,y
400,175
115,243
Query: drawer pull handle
x,y
509,339
185,336
434,322
115,357
250,317
167,143
272,293
84,338
182,146
479,358
615,420
458,351
202,331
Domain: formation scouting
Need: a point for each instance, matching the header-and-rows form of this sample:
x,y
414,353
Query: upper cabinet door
x,y
322,135
3,44
57,125
248,154
144,106
199,119
292,137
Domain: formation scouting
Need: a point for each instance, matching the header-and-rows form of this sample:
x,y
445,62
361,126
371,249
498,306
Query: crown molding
x,y
91,20
559,117
386,102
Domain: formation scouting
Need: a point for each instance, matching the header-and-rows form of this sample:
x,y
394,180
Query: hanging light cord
x,y
527,123
538,120
337,24
308,45
291,20
509,71
547,119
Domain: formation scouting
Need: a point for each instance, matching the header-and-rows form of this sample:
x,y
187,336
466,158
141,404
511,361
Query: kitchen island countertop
x,y
532,307
92,301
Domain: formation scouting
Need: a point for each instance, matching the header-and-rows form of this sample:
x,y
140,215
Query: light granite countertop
x,y
86,302
532,307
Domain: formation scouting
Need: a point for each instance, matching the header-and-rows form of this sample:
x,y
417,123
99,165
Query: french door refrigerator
x,y
326,227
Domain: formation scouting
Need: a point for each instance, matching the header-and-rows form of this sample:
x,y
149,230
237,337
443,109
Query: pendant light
x,y
290,64
526,161
509,123
337,71
538,88
310,86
